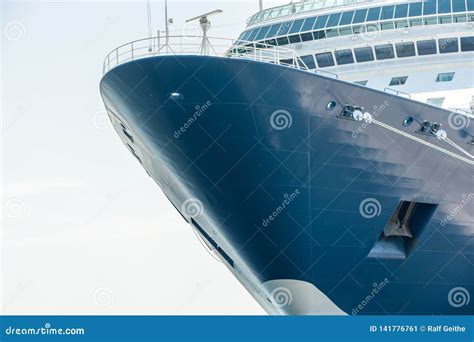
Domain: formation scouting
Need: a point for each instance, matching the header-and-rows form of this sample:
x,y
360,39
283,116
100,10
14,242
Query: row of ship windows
x,y
357,29
386,51
401,80
401,11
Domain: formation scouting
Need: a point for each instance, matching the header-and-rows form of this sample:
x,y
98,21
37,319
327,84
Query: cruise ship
x,y
325,155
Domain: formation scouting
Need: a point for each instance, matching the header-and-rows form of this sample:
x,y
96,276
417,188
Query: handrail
x,y
397,92
196,45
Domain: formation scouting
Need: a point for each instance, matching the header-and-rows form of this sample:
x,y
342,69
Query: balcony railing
x,y
195,45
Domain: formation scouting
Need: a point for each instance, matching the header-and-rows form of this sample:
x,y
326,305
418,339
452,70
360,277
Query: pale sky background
x,y
84,229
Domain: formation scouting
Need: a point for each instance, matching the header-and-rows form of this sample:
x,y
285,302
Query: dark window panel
x,y
387,26
309,61
325,59
445,19
344,57
359,16
308,24
387,12
374,14
448,45
405,49
330,33
384,51
470,5
429,7
401,24
416,22
333,20
467,43
346,18
444,6
319,35
459,5
321,22
426,47
282,41
445,77
306,36
253,34
415,9
401,11
364,54
296,27
262,33
396,81
284,28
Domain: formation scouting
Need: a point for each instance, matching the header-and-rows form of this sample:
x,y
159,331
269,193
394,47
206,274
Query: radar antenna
x,y
205,24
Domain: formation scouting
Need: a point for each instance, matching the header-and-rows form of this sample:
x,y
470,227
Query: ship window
x,y
346,18
426,47
262,33
459,6
306,36
321,22
387,26
401,11
444,6
253,34
374,14
284,28
282,41
325,59
273,30
364,54
447,19
438,101
294,38
345,31
401,24
319,35
467,43
470,5
448,45
296,26
415,9
405,49
461,18
387,12
396,81
361,82
344,57
359,16
431,21
308,24
384,51
429,7
309,61
416,22
333,20
445,77
332,33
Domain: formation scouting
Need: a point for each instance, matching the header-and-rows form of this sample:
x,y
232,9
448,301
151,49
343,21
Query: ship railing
x,y
197,45
397,92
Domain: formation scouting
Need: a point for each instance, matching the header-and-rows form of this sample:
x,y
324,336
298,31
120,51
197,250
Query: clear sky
x,y
84,229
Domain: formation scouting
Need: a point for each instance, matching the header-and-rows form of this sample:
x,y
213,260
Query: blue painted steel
x,y
219,143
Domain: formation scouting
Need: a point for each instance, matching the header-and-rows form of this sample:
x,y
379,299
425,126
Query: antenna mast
x,y
205,24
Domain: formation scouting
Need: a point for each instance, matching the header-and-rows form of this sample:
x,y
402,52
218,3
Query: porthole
x,y
331,105
408,121
176,96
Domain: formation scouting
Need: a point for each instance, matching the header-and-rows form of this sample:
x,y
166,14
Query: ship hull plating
x,y
259,159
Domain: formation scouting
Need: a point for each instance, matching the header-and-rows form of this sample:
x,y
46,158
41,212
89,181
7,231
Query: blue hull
x,y
262,161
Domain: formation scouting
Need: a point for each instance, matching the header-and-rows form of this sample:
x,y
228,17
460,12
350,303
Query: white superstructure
x,y
420,49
